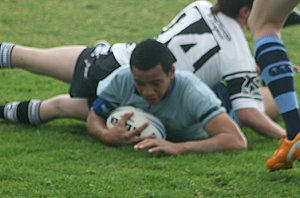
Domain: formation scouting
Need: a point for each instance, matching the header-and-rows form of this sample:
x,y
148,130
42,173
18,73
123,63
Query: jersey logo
x,y
243,85
250,85
86,68
280,69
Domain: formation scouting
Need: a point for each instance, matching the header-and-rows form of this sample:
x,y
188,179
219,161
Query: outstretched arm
x,y
223,133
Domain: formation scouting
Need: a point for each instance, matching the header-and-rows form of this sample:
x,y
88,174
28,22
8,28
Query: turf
x,y
59,159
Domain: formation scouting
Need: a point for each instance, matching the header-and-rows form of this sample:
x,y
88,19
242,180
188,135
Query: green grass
x,y
59,159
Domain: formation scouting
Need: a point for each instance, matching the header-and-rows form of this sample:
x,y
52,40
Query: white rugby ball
x,y
138,118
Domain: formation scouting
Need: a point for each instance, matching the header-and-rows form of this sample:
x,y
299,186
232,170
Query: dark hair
x,y
150,53
231,7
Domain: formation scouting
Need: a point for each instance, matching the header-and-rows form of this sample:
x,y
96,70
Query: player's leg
x,y
35,112
268,16
56,62
265,21
272,58
63,106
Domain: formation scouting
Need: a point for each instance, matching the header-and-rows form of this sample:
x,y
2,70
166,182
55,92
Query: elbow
x,y
241,144
233,142
238,144
238,141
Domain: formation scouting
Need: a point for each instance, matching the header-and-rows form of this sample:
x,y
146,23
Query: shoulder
x,y
190,85
187,82
198,6
117,87
186,77
202,7
121,72
120,76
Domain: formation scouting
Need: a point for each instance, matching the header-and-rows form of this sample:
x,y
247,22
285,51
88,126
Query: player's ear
x,y
172,71
245,12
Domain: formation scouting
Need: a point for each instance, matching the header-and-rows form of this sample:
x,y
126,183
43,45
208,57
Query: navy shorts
x,y
93,65
222,93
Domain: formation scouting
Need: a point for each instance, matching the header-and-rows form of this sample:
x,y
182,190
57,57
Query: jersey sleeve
x,y
203,103
243,90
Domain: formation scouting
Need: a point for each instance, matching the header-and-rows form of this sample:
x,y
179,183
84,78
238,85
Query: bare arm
x,y
118,135
223,133
260,122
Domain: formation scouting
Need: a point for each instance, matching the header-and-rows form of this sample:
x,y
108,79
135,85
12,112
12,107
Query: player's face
x,y
152,84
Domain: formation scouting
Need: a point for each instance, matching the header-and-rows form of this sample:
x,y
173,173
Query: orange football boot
x,y
284,156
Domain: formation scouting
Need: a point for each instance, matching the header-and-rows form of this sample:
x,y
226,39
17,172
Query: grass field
x,y
59,159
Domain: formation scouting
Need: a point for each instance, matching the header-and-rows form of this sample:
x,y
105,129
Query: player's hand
x,y
119,135
155,145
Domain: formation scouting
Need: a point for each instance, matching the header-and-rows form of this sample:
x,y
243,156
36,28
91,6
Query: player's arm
x,y
96,126
117,135
223,133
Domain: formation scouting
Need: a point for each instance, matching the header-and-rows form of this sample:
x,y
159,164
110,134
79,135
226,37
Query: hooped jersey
x,y
214,48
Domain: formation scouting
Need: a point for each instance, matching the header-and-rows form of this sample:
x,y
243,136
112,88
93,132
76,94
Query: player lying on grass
x,y
189,110
204,39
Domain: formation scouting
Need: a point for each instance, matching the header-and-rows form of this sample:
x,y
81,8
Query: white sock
x,y
5,54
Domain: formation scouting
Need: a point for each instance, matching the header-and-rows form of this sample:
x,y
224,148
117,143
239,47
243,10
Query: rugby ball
x,y
138,118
